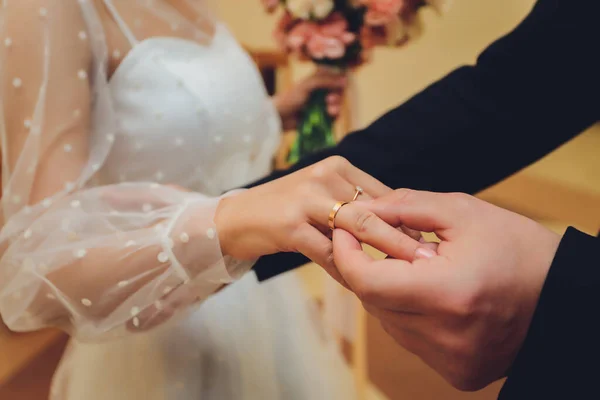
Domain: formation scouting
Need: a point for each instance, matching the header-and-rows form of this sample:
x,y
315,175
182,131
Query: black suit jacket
x,y
528,93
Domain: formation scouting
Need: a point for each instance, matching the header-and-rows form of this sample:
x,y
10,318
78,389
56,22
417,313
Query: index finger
x,y
425,211
367,227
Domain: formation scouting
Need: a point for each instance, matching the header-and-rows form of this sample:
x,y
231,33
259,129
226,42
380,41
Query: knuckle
x,y
337,162
317,171
299,229
462,201
329,260
364,220
327,252
291,218
462,306
414,234
401,195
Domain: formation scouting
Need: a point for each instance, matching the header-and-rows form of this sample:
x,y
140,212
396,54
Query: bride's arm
x,y
85,259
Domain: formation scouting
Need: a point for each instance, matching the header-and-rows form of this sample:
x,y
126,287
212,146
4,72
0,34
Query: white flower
x,y
322,8
304,9
299,8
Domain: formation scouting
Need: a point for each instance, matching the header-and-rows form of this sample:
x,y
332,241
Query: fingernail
x,y
423,252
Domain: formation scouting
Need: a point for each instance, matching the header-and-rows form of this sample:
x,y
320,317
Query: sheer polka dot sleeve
x,y
95,260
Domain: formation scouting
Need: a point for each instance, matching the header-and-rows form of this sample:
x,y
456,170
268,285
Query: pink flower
x,y
382,12
326,39
319,47
300,34
337,26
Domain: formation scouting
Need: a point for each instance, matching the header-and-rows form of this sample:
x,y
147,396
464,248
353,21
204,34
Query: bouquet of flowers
x,y
339,34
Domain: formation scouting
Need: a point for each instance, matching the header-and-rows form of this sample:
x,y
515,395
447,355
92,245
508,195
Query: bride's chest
x,y
204,92
188,114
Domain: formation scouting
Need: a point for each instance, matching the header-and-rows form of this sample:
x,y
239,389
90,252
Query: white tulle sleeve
x,y
95,260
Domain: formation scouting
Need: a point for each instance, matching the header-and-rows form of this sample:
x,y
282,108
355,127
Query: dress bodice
x,y
191,115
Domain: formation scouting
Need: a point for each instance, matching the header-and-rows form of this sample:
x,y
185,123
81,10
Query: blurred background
x,y
546,191
571,173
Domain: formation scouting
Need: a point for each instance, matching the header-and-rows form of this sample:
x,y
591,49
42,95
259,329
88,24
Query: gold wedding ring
x,y
336,208
334,211
357,193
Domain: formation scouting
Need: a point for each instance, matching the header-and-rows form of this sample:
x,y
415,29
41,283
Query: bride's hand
x,y
289,104
291,214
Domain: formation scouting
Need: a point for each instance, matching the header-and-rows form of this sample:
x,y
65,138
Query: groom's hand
x,y
466,310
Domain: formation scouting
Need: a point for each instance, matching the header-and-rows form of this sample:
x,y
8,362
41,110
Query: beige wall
x,y
396,74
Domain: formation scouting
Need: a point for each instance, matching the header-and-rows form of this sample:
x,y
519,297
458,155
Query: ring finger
x,y
338,189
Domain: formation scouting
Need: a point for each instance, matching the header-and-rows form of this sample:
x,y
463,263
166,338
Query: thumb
x,y
394,284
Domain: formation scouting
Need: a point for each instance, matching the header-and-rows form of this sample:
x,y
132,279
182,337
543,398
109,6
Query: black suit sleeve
x,y
559,358
528,93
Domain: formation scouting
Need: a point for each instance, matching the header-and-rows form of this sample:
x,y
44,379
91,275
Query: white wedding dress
x,y
118,249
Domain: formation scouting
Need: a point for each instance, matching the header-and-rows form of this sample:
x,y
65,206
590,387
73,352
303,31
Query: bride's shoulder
x,y
39,10
36,25
158,17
